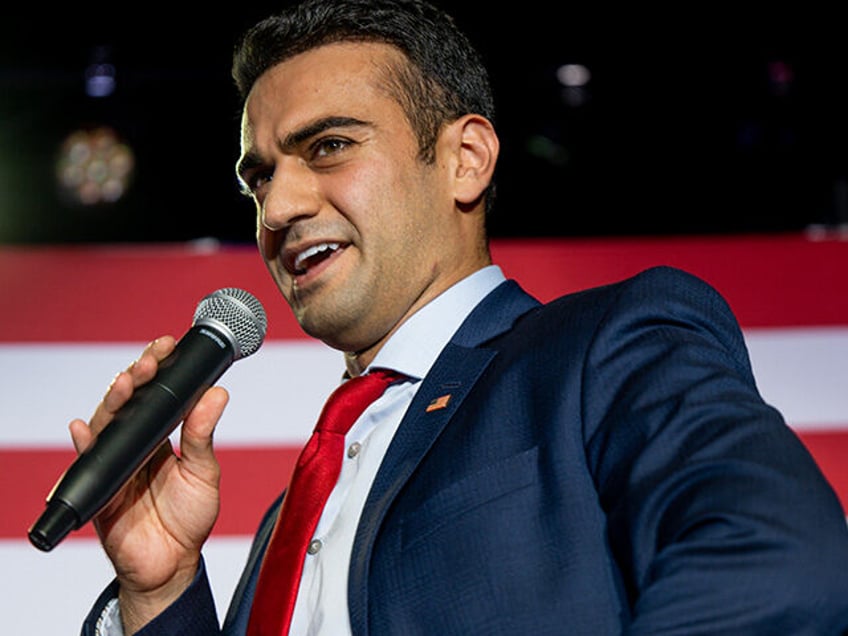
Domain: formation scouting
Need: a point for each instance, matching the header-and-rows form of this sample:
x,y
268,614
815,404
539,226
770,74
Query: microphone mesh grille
x,y
240,312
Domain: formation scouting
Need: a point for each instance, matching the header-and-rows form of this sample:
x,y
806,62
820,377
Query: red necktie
x,y
315,475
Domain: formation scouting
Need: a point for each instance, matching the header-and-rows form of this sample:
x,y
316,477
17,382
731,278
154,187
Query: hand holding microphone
x,y
229,324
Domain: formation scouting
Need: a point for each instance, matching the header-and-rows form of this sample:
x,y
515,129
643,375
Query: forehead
x,y
346,78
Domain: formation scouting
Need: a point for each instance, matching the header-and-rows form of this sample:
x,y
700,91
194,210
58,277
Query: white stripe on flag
x,y
804,373
277,393
50,593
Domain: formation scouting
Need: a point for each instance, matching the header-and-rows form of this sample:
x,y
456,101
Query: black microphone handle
x,y
121,449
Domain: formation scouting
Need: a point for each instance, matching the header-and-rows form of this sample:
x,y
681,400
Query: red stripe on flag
x,y
253,477
769,280
125,294
830,450
26,477
135,293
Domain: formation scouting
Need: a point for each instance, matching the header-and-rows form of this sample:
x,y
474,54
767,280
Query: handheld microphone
x,y
229,324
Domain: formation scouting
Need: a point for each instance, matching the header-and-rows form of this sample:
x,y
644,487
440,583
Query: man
x,y
602,464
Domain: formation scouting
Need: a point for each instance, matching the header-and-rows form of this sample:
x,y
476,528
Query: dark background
x,y
695,121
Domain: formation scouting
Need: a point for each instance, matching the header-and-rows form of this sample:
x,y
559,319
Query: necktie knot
x,y
348,401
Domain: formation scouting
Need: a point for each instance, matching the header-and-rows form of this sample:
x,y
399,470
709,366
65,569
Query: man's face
x,y
356,231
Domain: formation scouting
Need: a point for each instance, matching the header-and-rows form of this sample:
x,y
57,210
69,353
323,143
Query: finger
x,y
142,370
199,426
161,347
117,394
81,435
197,432
145,366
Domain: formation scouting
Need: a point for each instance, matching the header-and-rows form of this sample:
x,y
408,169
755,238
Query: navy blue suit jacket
x,y
605,465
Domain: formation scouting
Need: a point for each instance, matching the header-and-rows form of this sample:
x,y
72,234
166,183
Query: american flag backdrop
x,y
74,316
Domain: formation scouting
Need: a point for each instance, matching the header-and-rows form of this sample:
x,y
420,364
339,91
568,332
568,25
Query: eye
x,y
328,147
255,180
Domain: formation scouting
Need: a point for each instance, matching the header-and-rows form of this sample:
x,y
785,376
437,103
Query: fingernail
x,y
112,383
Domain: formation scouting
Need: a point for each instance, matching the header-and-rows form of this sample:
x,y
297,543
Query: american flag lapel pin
x,y
439,403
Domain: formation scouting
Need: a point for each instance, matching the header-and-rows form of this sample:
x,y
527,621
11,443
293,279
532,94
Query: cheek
x,y
267,242
361,186
387,199
370,198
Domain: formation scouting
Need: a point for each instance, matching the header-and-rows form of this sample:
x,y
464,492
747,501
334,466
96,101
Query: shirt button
x,y
314,546
353,449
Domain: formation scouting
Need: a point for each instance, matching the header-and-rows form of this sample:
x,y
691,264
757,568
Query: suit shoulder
x,y
670,275
658,283
657,295
673,287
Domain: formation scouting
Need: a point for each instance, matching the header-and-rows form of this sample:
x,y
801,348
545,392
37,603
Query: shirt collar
x,y
414,347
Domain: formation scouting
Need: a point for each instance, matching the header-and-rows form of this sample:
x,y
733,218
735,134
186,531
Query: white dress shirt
x,y
321,608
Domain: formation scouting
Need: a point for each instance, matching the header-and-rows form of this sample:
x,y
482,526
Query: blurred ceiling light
x,y
100,73
574,79
573,75
94,166
100,80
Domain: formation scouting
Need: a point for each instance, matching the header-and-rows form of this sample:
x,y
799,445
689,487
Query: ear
x,y
476,147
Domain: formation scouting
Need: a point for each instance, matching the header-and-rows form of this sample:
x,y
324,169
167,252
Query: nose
x,y
292,194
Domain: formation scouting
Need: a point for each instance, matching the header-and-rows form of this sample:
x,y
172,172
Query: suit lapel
x,y
445,388
452,377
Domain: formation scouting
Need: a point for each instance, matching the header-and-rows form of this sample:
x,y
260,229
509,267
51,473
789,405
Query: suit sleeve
x,y
193,614
719,518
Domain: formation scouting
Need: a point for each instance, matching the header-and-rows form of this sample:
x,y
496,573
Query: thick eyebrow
x,y
316,128
251,160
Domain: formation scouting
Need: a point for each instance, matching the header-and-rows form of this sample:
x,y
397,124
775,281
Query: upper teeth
x,y
312,251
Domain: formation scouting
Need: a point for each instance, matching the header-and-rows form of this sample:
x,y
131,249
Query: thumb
x,y
199,427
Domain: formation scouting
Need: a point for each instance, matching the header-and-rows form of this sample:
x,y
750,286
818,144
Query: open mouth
x,y
311,256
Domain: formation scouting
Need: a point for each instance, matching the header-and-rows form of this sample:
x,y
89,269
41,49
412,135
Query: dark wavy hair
x,y
443,79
